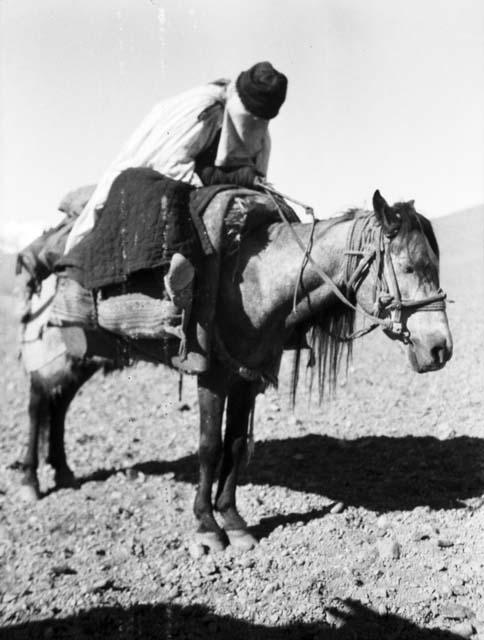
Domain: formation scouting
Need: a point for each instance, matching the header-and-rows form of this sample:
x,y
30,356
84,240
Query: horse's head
x,y
407,291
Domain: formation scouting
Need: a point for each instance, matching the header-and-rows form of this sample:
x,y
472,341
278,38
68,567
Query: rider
x,y
213,134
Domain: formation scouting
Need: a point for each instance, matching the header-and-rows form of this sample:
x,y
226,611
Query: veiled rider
x,y
214,134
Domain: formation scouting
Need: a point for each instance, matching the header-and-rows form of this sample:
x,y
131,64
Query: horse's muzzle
x,y
430,354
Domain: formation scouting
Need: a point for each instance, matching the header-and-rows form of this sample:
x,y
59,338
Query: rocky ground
x,y
369,508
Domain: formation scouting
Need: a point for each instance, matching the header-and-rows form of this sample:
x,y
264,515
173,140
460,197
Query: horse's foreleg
x,y
211,394
238,410
39,416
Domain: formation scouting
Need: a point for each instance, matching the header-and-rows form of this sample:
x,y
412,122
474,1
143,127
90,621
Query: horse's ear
x,y
385,214
379,202
380,207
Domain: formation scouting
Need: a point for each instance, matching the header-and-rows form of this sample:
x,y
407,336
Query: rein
x,y
387,291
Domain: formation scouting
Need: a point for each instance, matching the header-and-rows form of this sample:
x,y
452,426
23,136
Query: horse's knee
x,y
209,449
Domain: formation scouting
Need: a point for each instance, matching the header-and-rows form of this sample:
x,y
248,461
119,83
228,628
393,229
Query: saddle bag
x,y
136,315
136,309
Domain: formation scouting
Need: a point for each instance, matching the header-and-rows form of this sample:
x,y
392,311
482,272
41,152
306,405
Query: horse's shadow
x,y
350,618
378,473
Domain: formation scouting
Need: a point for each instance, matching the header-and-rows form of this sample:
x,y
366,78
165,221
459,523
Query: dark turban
x,y
262,90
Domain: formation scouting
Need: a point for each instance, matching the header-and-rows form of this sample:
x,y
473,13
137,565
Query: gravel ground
x,y
369,508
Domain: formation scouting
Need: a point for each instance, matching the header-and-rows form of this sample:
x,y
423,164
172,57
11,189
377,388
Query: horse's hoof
x,y
28,493
241,539
209,541
66,480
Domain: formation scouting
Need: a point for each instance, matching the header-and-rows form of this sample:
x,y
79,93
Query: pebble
x,y
334,620
173,592
480,613
196,550
267,590
455,611
338,507
444,543
446,590
9,597
445,431
463,629
389,549
209,567
423,533
100,585
63,569
4,535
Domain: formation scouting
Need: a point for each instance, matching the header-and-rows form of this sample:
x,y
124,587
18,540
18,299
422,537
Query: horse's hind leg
x,y
64,477
60,401
211,395
238,410
39,417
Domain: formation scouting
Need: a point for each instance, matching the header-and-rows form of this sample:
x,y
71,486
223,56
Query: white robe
x,y
169,140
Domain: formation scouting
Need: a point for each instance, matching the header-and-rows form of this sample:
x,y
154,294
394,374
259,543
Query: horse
x,y
288,279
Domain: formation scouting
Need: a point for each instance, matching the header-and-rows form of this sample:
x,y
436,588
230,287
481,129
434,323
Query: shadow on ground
x,y
164,621
378,473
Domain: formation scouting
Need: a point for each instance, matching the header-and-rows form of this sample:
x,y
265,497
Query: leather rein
x,y
368,249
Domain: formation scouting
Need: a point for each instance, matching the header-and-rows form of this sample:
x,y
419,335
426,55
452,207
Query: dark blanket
x,y
145,220
148,217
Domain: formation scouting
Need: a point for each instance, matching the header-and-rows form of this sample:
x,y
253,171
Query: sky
x,y
382,94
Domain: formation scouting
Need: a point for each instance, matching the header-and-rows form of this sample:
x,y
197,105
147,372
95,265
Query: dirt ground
x,y
369,508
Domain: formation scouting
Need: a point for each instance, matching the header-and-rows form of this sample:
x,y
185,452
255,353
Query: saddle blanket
x,y
138,306
145,220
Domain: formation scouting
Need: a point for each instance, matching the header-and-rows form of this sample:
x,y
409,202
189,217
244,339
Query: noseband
x,y
367,250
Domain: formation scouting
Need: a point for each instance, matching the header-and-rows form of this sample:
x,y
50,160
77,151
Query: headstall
x,y
368,249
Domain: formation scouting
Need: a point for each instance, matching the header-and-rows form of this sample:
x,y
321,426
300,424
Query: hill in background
x,y
461,240
7,272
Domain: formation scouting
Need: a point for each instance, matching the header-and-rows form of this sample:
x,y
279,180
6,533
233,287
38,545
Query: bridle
x,y
367,250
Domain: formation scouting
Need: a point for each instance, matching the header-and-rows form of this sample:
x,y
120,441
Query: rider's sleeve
x,y
242,177
262,160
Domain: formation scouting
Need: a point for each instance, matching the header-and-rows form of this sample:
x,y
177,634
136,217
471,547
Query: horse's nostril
x,y
439,354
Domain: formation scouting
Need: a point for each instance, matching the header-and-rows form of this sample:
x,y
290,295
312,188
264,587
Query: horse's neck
x,y
256,305
274,273
325,244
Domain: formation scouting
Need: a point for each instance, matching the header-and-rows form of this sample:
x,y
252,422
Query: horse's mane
x,y
328,350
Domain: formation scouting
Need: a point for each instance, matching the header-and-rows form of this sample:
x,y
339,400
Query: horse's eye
x,y
408,269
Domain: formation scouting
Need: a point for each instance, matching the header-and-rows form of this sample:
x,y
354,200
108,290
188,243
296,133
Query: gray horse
x,y
382,264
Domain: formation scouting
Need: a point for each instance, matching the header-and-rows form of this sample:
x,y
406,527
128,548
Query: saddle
x,y
134,304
